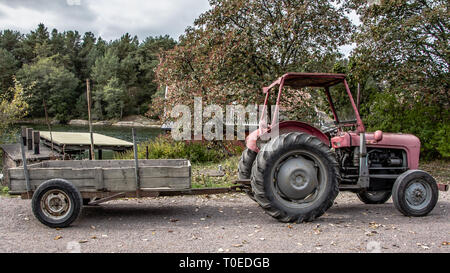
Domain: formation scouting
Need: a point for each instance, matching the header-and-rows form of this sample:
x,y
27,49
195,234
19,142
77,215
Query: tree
x,y
148,60
406,44
105,68
403,45
49,80
238,46
8,68
12,41
113,94
14,108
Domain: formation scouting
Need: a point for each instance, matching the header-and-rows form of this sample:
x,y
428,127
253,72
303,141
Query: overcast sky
x,y
109,19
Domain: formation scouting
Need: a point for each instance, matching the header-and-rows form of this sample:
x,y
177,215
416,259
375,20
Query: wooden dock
x,y
64,143
68,142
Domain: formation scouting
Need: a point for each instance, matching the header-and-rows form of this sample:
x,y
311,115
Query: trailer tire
x,y
415,193
57,203
372,197
295,178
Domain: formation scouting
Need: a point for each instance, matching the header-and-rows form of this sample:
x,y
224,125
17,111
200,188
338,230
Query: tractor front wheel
x,y
415,193
374,197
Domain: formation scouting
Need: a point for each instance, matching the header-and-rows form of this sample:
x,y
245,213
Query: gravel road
x,y
224,223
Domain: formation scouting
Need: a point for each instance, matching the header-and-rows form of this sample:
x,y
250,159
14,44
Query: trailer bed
x,y
107,176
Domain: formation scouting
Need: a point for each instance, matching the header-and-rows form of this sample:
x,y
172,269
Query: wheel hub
x,y
297,178
416,194
55,204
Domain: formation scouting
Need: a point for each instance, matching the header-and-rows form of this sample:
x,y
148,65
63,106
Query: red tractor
x,y
296,176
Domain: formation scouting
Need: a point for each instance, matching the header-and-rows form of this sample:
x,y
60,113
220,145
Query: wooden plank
x,y
129,184
116,163
25,172
19,185
136,163
146,172
68,174
99,179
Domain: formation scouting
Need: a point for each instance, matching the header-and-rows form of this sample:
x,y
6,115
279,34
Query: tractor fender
x,y
286,127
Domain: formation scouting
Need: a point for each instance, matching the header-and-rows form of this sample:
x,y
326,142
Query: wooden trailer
x,y
59,189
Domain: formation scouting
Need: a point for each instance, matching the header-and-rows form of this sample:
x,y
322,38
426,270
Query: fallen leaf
x,y
57,237
371,233
423,246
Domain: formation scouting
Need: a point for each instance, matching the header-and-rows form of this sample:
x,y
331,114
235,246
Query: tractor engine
x,y
384,165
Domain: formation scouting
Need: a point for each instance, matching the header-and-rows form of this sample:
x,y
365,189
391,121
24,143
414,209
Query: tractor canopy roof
x,y
300,80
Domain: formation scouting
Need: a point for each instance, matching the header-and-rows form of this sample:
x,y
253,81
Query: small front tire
x,y
374,197
415,193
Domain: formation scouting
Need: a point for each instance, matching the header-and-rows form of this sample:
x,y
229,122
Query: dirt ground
x,y
224,223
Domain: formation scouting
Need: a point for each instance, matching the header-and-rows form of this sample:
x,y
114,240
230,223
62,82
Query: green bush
x,y
4,190
166,148
393,113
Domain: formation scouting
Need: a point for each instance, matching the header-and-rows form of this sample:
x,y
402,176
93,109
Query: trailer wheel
x,y
295,178
57,203
374,197
415,193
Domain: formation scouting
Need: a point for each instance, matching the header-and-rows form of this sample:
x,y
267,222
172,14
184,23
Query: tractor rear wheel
x,y
295,178
246,163
245,169
374,197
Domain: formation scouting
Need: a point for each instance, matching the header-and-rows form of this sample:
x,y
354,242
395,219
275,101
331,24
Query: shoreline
x,y
139,122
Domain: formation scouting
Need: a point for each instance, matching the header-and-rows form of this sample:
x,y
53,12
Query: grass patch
x,y
229,166
166,148
439,169
4,191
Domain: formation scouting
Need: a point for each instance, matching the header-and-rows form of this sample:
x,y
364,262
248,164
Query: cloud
x,y
108,18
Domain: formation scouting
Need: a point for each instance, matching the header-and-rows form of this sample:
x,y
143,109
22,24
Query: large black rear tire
x,y
295,178
374,197
245,169
246,163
